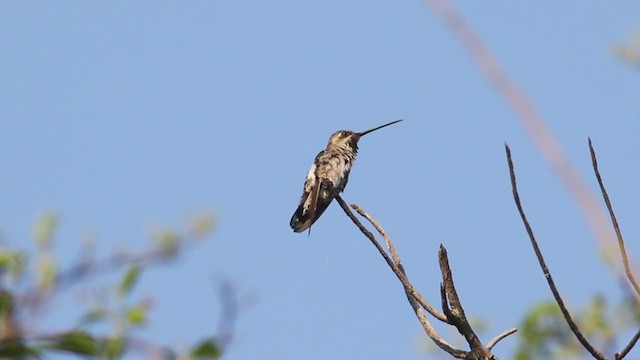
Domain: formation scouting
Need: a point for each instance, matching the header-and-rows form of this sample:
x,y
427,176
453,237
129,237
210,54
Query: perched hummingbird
x,y
328,176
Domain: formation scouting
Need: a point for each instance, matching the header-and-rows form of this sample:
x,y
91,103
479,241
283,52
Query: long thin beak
x,y
378,128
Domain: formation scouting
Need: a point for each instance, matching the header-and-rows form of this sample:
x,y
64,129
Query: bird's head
x,y
349,139
344,139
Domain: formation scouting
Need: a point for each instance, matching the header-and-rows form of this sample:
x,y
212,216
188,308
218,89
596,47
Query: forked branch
x,y
415,299
452,308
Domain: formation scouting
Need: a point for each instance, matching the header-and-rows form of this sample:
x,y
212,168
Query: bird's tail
x,y
301,220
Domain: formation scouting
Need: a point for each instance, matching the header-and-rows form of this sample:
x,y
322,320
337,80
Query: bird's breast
x,y
334,166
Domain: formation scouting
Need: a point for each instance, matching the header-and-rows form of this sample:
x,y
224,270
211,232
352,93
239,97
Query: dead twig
x,y
452,308
396,269
376,224
396,260
496,339
620,355
412,294
614,221
623,251
545,270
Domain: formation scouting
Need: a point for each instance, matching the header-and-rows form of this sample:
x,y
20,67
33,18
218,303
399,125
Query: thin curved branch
x,y
396,268
412,294
376,224
574,328
623,252
630,345
396,259
614,221
450,301
496,339
431,332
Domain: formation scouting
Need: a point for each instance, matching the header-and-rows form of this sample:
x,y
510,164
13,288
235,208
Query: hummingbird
x,y
328,176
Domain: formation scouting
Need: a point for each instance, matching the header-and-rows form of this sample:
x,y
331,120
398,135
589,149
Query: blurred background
x,y
130,124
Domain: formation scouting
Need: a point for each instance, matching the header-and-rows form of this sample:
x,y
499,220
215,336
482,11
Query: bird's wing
x,y
313,202
309,210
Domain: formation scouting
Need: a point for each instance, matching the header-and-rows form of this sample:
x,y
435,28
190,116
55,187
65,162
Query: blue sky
x,y
124,115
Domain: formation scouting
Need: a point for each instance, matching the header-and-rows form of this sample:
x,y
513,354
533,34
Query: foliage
x,y
544,333
629,51
31,281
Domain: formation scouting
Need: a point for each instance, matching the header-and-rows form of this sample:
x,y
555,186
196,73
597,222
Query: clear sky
x,y
123,115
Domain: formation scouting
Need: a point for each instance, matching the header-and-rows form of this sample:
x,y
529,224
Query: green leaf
x,y
544,334
93,316
137,315
113,348
207,349
202,224
47,271
44,228
16,349
6,258
595,318
76,342
167,240
129,280
6,304
12,262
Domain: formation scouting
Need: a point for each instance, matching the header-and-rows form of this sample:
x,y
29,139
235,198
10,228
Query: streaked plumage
x,y
328,176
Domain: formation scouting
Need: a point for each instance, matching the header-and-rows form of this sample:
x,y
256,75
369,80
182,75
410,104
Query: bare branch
x,y
444,301
630,345
396,259
412,294
574,328
456,314
614,221
431,332
451,305
413,298
496,339
376,224
396,269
